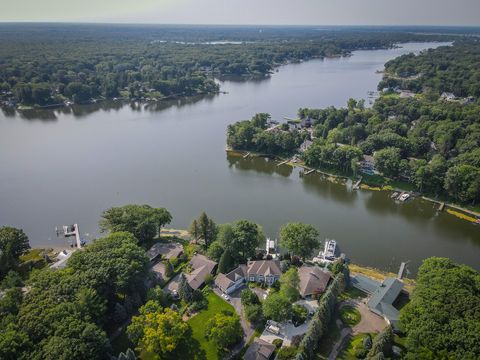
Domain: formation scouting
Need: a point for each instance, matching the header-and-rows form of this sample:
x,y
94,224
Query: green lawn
x,y
199,323
348,352
350,316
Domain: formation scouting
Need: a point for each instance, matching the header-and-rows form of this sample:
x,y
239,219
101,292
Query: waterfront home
x,y
259,350
264,271
367,165
305,145
202,267
381,296
448,96
405,94
165,250
313,281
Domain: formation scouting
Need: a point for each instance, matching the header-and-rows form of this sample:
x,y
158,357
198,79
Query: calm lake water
x,y
65,166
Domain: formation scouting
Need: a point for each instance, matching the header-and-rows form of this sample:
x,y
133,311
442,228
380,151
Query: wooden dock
x,y
246,155
283,162
309,171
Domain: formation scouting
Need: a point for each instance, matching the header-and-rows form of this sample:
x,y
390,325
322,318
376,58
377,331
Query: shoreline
x,y
474,216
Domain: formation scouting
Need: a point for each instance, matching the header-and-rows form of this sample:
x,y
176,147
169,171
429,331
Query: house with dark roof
x,y
165,250
201,268
382,296
259,350
313,281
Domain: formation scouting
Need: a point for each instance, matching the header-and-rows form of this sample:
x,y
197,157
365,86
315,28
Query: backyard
x,y
199,323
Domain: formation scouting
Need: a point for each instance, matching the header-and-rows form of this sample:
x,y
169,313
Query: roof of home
x,y
382,295
202,267
160,270
224,281
259,350
167,250
313,280
364,283
264,267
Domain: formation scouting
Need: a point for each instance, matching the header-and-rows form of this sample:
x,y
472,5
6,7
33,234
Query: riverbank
x,y
370,183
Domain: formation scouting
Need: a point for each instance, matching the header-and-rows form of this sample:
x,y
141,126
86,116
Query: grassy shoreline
x,y
372,183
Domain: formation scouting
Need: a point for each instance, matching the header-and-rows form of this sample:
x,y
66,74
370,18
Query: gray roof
x,y
202,267
259,350
167,250
365,284
224,281
313,280
383,297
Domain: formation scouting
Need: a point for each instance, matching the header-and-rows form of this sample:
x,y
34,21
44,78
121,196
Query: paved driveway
x,y
370,322
236,302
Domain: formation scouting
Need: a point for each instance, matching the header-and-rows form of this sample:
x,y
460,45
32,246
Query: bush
x,y
360,353
278,343
299,315
248,297
254,313
287,353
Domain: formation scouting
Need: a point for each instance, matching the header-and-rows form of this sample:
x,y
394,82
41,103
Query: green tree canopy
x,y
224,330
442,319
300,239
143,221
277,307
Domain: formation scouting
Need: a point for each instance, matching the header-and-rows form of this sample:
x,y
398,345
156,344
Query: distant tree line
x,y
45,64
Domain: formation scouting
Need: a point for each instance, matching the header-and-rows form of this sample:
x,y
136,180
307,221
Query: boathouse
x,y
382,296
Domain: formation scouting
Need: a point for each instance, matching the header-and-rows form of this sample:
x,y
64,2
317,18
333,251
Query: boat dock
x,y
356,186
401,270
283,162
309,172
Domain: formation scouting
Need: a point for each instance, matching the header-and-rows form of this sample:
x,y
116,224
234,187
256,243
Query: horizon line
x,y
226,25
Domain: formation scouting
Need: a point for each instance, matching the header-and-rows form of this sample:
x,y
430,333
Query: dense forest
x,y
42,64
426,140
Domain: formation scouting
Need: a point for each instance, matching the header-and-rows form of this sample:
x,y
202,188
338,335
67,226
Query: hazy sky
x,y
320,12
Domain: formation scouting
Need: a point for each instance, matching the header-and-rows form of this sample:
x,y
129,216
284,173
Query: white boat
x,y
404,197
329,251
328,254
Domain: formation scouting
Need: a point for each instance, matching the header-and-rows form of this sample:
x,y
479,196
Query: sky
x,y
265,12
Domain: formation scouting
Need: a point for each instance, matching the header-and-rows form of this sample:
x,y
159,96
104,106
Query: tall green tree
x,y
290,284
13,243
224,330
300,239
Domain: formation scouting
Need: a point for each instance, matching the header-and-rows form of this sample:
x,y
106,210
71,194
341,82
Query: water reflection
x,y
263,165
319,185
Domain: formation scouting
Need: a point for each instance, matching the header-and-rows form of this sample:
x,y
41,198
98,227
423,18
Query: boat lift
x,y
70,231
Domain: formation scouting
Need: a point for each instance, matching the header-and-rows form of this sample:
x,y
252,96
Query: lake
x,y
68,165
